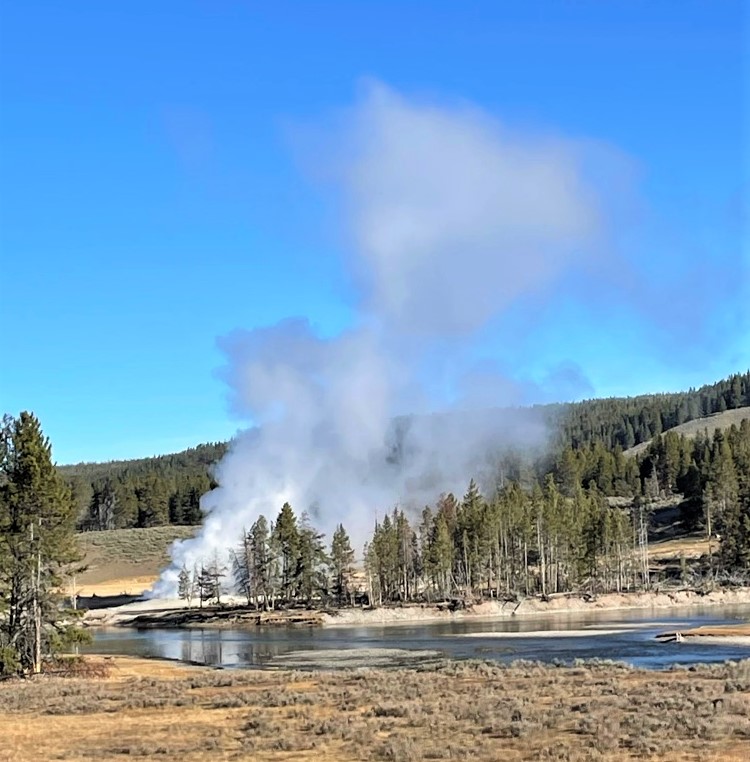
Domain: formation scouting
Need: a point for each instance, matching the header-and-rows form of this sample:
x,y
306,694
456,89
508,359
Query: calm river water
x,y
623,636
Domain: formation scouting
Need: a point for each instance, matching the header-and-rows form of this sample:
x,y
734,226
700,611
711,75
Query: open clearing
x,y
688,548
125,560
708,424
467,710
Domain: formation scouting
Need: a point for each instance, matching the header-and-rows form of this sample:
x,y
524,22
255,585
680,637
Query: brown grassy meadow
x,y
125,560
459,710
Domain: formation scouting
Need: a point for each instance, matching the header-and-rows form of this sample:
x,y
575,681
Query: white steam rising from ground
x,y
452,219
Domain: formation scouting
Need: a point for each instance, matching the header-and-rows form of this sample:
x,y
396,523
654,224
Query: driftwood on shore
x,y
738,634
222,617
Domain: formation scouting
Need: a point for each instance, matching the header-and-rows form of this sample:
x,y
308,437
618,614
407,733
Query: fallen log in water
x,y
218,617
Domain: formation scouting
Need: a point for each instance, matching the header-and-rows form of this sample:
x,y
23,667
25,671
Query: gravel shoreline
x,y
531,607
156,609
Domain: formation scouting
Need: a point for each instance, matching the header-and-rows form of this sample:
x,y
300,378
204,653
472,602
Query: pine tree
x,y
37,547
372,565
385,548
103,507
153,502
404,543
569,473
261,568
311,562
209,580
721,490
81,493
342,565
286,538
242,567
441,555
126,508
468,535
185,586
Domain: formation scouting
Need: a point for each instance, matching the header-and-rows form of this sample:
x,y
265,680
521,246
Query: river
x,y
620,635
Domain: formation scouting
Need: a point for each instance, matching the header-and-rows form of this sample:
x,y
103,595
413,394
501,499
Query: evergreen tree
x,y
342,566
209,580
185,585
103,507
81,491
721,490
242,567
568,471
126,506
372,564
37,546
261,568
405,562
153,502
468,532
287,541
312,561
440,556
385,547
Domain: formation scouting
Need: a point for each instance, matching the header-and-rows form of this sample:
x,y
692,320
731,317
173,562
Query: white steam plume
x,y
452,219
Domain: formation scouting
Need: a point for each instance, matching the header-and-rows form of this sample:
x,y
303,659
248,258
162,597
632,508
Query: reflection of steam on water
x,y
452,220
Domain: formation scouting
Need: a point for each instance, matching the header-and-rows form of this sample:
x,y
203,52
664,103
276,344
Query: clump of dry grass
x,y
78,666
455,710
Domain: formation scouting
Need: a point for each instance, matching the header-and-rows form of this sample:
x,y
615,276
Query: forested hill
x,y
200,457
698,427
167,488
628,421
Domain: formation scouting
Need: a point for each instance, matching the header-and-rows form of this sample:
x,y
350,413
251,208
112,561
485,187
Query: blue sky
x,y
155,193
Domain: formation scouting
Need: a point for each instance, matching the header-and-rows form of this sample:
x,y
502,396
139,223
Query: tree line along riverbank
x,y
234,613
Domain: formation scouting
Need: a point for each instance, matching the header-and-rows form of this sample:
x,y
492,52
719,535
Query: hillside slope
x,y
707,425
126,560
162,490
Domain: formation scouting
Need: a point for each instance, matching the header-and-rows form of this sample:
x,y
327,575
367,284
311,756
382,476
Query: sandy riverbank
x,y
731,634
155,611
530,607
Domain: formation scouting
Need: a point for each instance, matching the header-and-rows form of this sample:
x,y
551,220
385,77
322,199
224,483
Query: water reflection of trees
x,y
222,648
256,647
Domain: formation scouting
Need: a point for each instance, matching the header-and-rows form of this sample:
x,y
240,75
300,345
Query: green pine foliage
x,y
576,517
631,420
589,439
37,548
143,493
341,566
567,532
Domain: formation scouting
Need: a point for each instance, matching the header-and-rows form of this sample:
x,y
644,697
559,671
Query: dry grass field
x,y
708,424
690,548
470,711
126,560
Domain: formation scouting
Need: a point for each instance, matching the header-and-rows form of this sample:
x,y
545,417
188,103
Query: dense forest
x,y
578,518
589,442
552,538
145,492
628,421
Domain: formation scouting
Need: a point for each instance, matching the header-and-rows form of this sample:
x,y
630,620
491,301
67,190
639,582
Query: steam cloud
x,y
453,219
